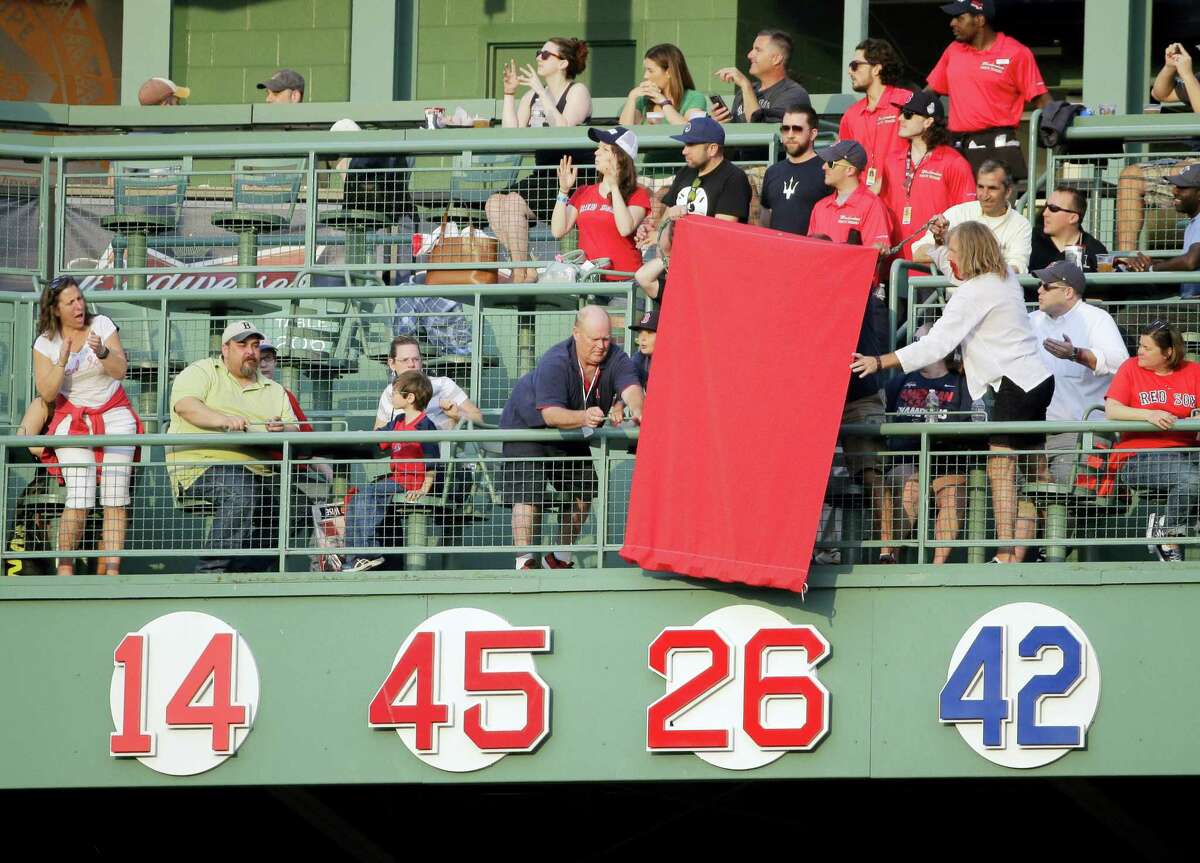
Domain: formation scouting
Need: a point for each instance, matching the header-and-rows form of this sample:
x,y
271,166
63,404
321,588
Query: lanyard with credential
x,y
587,390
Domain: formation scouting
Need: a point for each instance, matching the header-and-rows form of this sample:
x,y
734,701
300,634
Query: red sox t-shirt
x,y
1176,393
598,234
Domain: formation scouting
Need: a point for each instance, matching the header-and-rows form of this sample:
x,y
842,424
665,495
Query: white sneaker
x,y
363,563
827,556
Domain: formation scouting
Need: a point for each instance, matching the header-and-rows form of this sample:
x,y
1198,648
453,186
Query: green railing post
x,y
4,537
923,468
310,212
601,510
285,505
60,218
43,253
1035,120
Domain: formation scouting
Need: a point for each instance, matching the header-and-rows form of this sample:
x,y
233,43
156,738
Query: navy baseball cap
x,y
1061,271
851,151
985,8
648,322
924,105
1188,179
702,130
618,136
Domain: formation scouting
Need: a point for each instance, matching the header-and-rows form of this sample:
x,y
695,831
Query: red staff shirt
x,y
863,211
875,128
598,234
987,89
940,180
1176,393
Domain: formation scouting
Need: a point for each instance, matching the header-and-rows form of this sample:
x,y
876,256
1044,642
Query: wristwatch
x,y
1075,355
103,356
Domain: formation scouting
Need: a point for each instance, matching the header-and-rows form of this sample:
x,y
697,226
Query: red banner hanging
x,y
750,374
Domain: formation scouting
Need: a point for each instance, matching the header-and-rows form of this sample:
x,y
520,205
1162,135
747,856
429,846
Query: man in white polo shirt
x,y
1081,346
449,403
993,188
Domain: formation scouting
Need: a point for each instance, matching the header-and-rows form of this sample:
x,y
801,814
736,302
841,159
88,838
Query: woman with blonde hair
x,y
987,318
666,88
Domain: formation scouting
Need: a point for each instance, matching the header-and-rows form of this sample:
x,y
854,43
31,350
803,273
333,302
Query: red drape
x,y
749,381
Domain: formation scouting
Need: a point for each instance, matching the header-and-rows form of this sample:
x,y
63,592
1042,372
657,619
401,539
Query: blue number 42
x,y
985,658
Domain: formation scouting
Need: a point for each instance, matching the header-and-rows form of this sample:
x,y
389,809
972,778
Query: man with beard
x,y
791,187
1187,202
229,395
874,119
710,185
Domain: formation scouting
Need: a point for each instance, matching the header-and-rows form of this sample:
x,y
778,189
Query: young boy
x,y
412,469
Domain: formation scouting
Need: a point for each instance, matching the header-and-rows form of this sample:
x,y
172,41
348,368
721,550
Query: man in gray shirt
x,y
774,92
1187,202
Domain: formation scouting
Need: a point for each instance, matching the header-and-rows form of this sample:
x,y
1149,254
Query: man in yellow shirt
x,y
227,396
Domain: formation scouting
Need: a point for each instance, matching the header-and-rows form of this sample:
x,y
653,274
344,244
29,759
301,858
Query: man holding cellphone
x,y
765,100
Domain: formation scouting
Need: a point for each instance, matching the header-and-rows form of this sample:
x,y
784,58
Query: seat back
x,y
476,178
149,189
268,183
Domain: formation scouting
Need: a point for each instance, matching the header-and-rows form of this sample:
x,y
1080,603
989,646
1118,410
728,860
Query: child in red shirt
x,y
412,470
1160,387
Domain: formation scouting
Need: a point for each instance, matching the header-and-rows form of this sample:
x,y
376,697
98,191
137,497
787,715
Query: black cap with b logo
x,y
648,322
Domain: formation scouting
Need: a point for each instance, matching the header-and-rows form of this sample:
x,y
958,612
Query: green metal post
x,y
1056,529
601,512
285,505
416,535
60,217
976,513
247,256
923,468
43,253
135,258
311,199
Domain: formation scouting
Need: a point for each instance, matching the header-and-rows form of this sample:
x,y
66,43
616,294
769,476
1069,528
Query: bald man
x,y
579,384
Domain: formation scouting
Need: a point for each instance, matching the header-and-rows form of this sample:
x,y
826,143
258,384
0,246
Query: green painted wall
x,y
323,647
223,48
463,43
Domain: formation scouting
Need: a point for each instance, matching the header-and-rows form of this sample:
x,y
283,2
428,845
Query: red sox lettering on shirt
x,y
988,89
863,211
875,128
1174,393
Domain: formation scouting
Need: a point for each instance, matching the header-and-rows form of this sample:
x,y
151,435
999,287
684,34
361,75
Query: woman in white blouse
x,y
987,317
78,364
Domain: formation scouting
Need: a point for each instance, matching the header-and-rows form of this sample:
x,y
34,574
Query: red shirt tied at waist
x,y
82,416
875,128
863,211
913,193
988,89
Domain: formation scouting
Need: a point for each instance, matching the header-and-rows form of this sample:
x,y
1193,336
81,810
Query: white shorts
x,y
79,463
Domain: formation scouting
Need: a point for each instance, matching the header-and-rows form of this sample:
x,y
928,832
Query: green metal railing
x,y
468,519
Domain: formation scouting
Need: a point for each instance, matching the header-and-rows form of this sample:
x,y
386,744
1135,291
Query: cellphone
x,y
719,102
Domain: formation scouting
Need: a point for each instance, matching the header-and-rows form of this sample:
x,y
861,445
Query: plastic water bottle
x,y
933,406
537,116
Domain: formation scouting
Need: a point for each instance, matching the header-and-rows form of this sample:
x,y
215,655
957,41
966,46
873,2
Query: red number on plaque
x,y
215,664
759,688
419,661
664,711
133,738
477,681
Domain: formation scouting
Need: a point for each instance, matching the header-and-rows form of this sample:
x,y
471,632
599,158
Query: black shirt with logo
x,y
789,191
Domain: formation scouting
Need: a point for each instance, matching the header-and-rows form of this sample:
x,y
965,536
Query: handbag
x,y
469,247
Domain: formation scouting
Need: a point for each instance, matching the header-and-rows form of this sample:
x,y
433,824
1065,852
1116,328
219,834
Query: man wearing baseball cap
x,y
286,85
852,206
927,176
989,77
1187,202
229,395
162,91
1082,346
710,185
647,332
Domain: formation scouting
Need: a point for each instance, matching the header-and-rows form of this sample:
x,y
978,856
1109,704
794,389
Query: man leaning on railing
x,y
229,394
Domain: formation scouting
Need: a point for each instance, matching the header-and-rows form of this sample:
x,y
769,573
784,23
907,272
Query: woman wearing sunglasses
x,y
609,212
554,98
987,317
1159,386
78,364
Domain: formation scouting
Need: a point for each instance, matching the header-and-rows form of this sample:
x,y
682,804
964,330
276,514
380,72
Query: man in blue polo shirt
x,y
1187,202
577,385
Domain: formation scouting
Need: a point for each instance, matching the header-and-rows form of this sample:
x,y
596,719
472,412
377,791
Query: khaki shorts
x,y
862,453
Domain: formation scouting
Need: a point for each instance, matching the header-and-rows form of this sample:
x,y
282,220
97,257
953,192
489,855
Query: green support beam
x,y
373,50
854,30
1117,52
145,45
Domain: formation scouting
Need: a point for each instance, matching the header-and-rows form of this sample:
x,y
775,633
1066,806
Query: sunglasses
x,y
546,55
799,130
1055,208
854,64
1157,326
839,163
908,115
1055,286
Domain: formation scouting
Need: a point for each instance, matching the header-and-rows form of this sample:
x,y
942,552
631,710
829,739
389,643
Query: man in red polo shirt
x,y
927,176
852,206
989,77
872,120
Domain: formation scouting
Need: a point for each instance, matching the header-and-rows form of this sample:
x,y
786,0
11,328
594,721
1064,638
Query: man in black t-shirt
x,y
791,187
710,185
1062,226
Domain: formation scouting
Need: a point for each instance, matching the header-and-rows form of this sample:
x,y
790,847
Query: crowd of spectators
x,y
904,177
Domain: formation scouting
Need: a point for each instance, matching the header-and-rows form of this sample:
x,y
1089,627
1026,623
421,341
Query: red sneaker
x,y
553,562
532,563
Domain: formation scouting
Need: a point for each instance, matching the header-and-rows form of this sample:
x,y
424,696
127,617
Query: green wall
x,y
463,43
223,48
